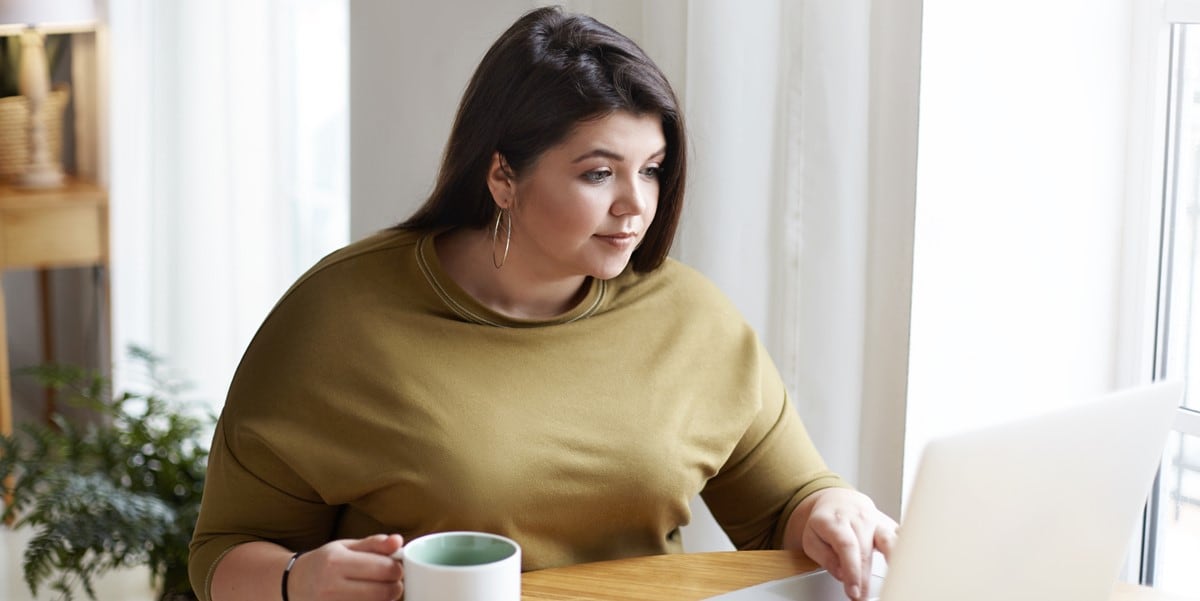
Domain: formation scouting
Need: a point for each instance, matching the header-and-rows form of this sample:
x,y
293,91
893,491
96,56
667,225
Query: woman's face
x,y
586,204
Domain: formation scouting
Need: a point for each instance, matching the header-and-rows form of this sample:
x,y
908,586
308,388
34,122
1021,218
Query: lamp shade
x,y
49,16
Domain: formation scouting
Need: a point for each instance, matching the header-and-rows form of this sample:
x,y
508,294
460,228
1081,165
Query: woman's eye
x,y
598,176
653,171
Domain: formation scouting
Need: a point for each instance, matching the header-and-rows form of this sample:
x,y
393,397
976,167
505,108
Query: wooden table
x,y
696,576
43,229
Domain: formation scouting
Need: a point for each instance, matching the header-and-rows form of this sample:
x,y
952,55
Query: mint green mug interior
x,y
459,549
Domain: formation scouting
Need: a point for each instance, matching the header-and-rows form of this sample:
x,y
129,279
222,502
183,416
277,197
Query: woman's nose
x,y
633,198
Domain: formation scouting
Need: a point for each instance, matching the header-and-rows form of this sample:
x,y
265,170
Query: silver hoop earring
x,y
507,237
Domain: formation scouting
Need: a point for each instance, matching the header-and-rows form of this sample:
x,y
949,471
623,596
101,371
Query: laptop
x,y
1037,509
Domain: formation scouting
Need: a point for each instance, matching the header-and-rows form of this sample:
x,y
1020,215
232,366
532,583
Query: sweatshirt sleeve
x,y
771,470
269,503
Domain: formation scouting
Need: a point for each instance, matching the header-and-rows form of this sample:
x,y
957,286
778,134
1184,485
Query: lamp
x,y
33,19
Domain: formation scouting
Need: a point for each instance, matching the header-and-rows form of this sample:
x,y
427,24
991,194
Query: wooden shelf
x,y
47,229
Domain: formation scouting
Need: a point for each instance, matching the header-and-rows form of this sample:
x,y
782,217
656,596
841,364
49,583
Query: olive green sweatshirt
x,y
379,397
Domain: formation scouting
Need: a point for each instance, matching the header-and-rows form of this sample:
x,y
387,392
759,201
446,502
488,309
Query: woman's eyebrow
x,y
608,154
599,152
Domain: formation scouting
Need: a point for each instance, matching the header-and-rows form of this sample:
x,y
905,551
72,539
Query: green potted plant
x,y
121,490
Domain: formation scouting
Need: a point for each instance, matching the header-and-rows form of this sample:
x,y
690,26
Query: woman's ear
x,y
501,182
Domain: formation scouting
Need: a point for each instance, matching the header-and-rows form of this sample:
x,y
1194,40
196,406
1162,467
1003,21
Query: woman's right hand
x,y
349,570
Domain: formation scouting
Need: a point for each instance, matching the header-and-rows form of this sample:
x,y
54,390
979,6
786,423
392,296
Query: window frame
x,y
1155,109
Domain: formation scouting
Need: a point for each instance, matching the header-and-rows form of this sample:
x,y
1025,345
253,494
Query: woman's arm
x,y
342,569
840,529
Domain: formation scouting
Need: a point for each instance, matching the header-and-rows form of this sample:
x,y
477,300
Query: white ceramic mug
x,y
461,566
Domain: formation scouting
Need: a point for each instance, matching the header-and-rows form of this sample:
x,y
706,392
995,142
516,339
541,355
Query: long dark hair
x,y
546,74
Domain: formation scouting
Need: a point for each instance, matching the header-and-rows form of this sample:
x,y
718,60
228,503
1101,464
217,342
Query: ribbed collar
x,y
470,309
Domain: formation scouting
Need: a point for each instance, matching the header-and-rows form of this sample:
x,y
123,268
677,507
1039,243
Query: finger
x,y
373,568
885,539
844,542
868,575
820,552
370,559
379,544
838,535
866,535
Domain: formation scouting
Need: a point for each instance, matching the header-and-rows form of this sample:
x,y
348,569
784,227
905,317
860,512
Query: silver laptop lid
x,y
1042,508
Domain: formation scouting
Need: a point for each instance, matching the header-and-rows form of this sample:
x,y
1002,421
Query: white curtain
x,y
228,169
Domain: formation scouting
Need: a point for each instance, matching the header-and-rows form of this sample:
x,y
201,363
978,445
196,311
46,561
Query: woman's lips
x,y
620,240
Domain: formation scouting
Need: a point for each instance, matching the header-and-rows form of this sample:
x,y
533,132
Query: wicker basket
x,y
14,130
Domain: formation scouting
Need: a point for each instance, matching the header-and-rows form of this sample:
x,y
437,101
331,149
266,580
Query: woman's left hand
x,y
840,529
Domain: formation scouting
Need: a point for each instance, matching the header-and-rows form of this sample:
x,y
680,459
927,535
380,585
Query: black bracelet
x,y
286,572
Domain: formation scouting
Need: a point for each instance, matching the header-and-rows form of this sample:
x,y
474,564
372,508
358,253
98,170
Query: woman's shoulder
x,y
673,275
366,271
360,260
683,274
381,242
674,283
341,302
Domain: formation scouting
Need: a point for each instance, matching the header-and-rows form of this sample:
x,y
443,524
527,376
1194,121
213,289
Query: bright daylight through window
x,y
1172,545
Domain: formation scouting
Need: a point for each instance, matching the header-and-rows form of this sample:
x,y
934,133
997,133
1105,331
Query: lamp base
x,y
44,177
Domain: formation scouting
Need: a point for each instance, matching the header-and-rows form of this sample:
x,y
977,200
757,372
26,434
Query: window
x,y
1171,547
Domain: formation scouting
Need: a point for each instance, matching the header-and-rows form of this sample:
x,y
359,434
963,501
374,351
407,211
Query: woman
x,y
519,357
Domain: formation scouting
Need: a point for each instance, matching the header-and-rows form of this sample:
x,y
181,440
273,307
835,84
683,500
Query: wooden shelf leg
x,y
46,291
6,417
6,408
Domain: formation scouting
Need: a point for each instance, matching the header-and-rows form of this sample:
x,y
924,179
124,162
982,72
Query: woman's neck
x,y
466,256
